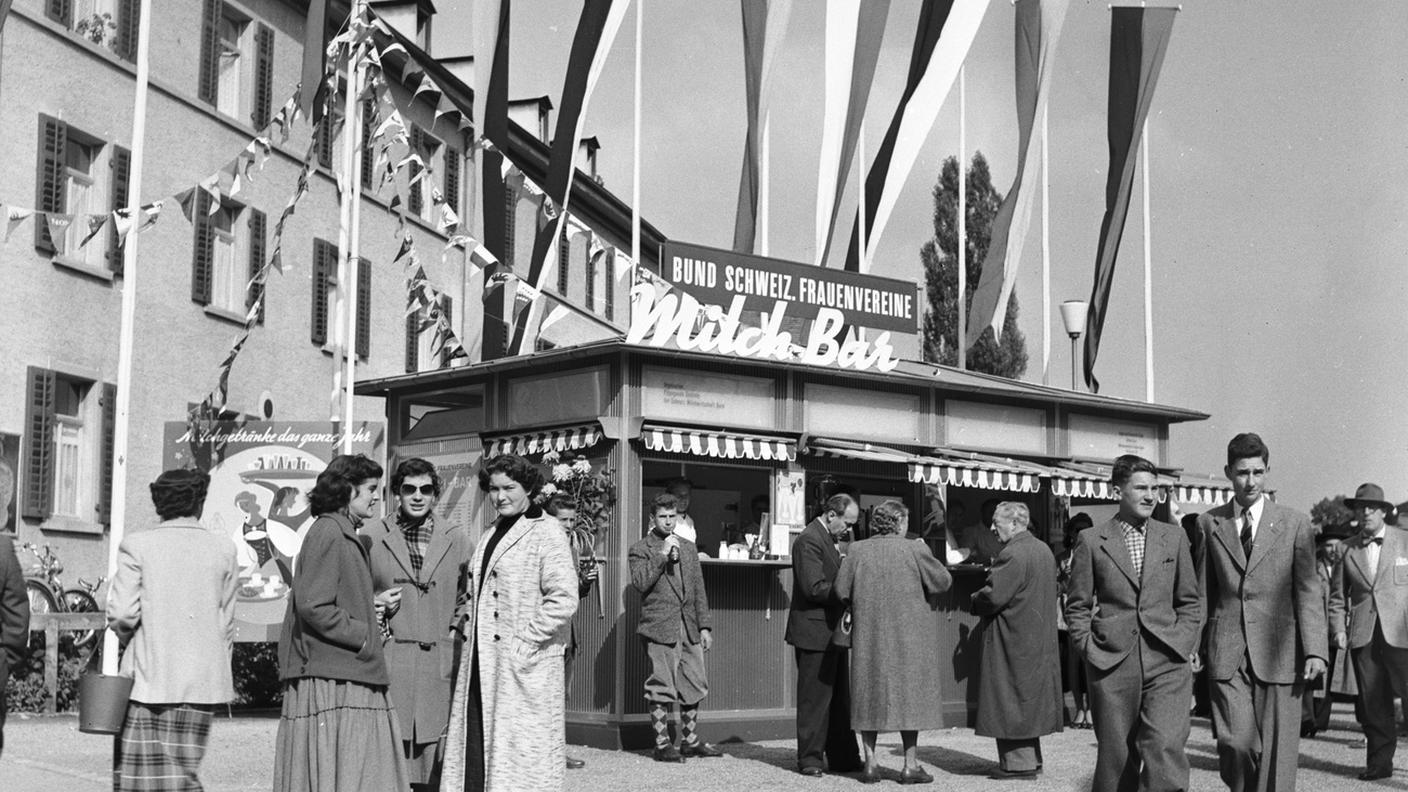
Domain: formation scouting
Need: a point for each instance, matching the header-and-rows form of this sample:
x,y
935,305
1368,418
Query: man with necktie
x,y
1372,586
1266,632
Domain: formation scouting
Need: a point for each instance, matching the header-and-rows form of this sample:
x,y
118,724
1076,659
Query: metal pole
x,y
1045,253
1148,275
122,420
635,156
962,216
352,124
1074,353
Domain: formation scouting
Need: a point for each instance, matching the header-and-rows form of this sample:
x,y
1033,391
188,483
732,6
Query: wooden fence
x,y
51,624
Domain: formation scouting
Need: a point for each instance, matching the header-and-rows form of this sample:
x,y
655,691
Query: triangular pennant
x,y
95,224
58,228
187,200
15,215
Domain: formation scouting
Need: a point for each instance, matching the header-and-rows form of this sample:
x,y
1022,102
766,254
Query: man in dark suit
x,y
1139,642
1266,632
676,626
14,620
824,737
1372,587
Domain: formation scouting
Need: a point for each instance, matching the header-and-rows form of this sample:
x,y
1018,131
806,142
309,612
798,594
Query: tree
x,y
1007,358
1331,512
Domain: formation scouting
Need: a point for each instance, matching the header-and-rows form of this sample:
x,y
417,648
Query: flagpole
x,y
1148,274
1045,252
122,420
962,216
352,128
763,188
635,152
860,226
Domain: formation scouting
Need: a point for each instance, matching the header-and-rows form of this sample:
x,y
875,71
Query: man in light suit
x,y
1138,642
1266,633
824,737
1372,581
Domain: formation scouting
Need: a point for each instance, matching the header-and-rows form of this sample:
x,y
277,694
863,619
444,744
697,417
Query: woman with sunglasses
x,y
418,564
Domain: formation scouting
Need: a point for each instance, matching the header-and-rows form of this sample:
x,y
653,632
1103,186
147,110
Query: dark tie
x,y
1247,534
1377,540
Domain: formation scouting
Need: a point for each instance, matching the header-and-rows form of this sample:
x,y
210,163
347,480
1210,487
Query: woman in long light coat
x,y
895,684
506,719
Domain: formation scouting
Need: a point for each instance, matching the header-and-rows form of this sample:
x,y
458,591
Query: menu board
x,y
706,397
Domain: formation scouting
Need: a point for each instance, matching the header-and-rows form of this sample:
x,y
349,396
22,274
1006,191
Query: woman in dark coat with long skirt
x,y
337,730
895,684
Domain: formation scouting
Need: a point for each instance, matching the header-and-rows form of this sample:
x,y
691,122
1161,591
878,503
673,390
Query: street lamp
x,y
1073,317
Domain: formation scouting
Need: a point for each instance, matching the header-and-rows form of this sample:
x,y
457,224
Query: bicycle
x,y
47,593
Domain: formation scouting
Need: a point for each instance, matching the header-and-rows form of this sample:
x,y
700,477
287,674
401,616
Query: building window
x,y
419,188
83,177
324,295
228,253
236,63
111,24
68,453
230,63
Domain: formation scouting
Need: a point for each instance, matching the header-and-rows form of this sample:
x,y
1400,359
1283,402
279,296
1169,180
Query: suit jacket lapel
x,y
1112,540
395,541
436,550
517,532
1228,534
1267,533
1385,563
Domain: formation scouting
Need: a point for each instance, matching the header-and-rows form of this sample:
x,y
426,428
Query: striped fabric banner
x,y
491,38
1038,28
719,445
870,33
953,474
572,438
941,43
315,42
596,30
764,22
1138,40
842,18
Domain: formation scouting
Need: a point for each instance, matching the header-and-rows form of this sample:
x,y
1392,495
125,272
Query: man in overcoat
x,y
824,736
1266,631
418,570
1139,642
1371,592
14,620
1019,685
677,629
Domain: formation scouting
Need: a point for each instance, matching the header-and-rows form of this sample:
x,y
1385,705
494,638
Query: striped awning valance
x,y
1076,486
563,439
1202,493
719,445
967,473
857,452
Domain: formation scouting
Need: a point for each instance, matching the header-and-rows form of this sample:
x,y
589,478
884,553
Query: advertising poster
x,y
260,475
9,480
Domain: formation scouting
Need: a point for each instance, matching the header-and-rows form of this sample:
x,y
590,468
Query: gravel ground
x,y
44,754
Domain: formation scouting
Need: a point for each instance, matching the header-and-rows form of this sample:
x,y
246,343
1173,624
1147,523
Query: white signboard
x,y
1104,439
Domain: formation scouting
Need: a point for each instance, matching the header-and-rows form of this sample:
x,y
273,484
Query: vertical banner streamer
x,y
1138,40
953,29
869,35
1038,28
764,22
595,32
842,19
491,36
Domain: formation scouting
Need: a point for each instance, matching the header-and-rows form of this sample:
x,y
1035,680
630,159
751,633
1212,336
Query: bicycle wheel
x,y
41,599
80,601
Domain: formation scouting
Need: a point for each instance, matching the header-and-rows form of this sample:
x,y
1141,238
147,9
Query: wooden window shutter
x,y
39,443
203,250
452,178
609,293
415,200
129,22
121,164
324,259
257,224
564,263
325,141
368,148
263,76
60,11
364,308
51,182
109,435
413,341
590,267
510,226
208,88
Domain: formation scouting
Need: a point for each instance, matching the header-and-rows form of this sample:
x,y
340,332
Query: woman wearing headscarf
x,y
337,731
172,605
417,570
895,683
506,721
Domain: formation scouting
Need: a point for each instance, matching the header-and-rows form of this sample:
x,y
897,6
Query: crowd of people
x,y
414,656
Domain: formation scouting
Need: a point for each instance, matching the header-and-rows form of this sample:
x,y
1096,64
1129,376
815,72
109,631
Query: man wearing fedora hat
x,y
1372,586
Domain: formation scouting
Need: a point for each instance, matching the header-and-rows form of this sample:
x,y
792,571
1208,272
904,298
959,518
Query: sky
x,y
1278,144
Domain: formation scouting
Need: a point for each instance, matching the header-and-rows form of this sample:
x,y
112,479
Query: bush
x,y
256,668
25,691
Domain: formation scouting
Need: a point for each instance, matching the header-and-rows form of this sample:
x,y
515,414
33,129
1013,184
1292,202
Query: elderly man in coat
x,y
1019,690
676,627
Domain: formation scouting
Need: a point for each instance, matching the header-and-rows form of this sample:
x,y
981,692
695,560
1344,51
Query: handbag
x,y
841,636
102,699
